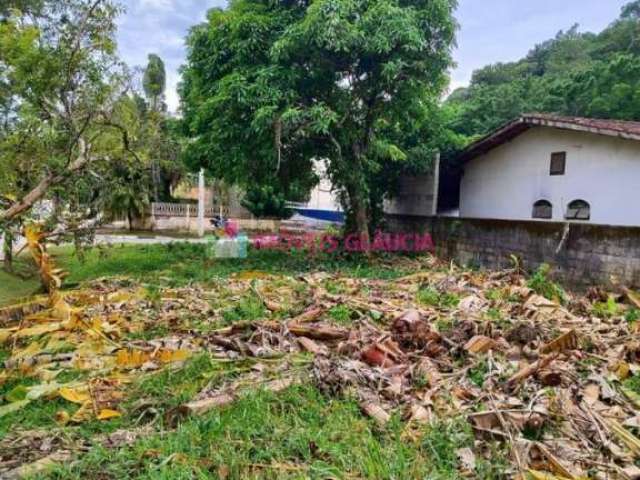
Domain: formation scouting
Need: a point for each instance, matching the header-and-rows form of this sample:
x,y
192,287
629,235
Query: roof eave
x,y
518,126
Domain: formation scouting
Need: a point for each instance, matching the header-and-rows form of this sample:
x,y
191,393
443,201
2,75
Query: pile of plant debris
x,y
549,379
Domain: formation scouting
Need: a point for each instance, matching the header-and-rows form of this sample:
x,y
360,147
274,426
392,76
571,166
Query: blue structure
x,y
334,216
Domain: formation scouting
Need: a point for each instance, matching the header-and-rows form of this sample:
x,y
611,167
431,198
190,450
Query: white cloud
x,y
157,4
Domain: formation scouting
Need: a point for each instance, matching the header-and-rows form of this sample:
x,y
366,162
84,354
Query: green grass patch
x,y
543,285
478,374
13,288
341,314
607,309
249,308
181,263
298,433
433,298
632,315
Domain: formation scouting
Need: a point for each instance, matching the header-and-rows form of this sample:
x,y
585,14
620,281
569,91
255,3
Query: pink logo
x,y
381,242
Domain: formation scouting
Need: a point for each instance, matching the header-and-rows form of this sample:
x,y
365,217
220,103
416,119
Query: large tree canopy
x,y
61,84
582,74
271,86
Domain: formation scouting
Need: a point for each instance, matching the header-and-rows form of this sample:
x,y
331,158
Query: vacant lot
x,y
157,362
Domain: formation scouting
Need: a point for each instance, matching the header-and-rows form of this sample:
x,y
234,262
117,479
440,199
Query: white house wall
x,y
417,194
323,198
604,171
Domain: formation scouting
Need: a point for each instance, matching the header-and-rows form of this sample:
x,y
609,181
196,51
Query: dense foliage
x,y
269,86
579,74
73,132
265,201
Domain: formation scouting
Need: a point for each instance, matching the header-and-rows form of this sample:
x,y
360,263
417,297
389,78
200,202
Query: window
x,y
542,209
578,210
558,163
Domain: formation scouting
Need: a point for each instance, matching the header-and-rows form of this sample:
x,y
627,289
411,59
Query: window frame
x,y
578,216
558,157
540,204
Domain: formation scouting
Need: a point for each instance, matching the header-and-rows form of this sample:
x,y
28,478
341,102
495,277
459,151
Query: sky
x,y
490,30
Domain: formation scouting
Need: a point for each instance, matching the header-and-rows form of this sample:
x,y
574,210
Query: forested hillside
x,y
581,74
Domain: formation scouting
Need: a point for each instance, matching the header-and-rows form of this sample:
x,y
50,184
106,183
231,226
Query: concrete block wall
x,y
588,255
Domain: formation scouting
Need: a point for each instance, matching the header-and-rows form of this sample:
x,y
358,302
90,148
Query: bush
x,y
265,201
542,285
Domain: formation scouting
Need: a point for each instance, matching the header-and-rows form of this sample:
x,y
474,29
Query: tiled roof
x,y
613,128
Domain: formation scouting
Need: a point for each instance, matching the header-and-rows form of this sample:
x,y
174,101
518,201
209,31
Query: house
x,y
550,168
323,205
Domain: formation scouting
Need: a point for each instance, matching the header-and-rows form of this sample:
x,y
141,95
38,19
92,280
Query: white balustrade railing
x,y
163,209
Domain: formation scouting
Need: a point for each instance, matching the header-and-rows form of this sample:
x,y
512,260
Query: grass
x,y
181,263
541,283
431,297
13,288
298,433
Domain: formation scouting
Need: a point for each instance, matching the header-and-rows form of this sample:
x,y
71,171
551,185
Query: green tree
x,y
269,86
161,132
65,80
154,82
60,83
579,74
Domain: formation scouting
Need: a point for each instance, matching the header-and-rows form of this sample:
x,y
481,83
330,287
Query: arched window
x,y
578,210
542,209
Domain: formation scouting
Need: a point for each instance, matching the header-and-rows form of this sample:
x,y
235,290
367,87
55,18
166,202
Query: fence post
x,y
201,203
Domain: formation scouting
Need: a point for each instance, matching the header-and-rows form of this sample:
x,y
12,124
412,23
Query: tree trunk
x,y
130,219
40,190
8,251
358,222
361,220
358,200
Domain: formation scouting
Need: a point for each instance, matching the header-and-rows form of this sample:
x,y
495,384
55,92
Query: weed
x,y
341,314
542,285
420,381
249,308
632,316
431,297
449,300
493,294
334,288
444,324
428,296
633,383
607,309
478,373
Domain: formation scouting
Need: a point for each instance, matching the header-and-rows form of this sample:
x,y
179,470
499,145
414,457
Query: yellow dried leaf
x,y
622,370
566,341
38,330
5,334
169,356
74,395
131,358
61,310
630,440
31,350
84,413
106,414
252,275
537,475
